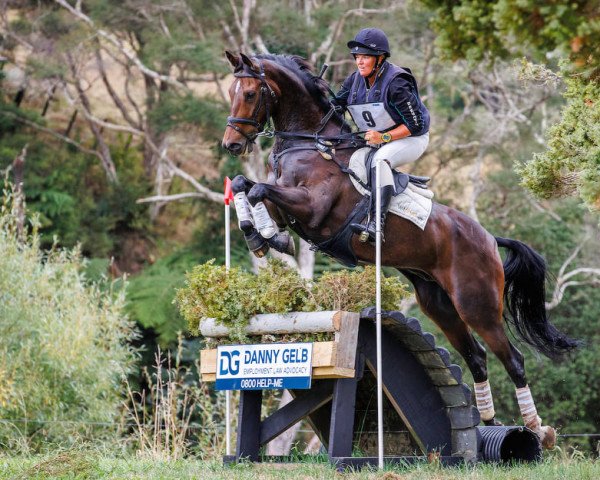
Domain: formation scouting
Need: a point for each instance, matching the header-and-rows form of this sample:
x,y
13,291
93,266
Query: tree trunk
x,y
19,196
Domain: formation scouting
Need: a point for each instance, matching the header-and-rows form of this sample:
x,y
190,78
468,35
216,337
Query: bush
x,y
64,345
233,298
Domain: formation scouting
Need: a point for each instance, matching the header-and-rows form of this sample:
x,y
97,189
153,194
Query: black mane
x,y
302,69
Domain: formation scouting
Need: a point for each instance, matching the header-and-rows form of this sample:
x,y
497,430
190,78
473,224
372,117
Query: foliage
x,y
353,290
233,297
165,418
63,345
280,288
150,293
212,291
71,196
571,164
477,29
174,110
150,299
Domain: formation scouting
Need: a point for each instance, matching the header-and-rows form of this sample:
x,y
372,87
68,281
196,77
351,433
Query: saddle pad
x,y
414,203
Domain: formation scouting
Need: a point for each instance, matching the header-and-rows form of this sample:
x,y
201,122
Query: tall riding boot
x,y
369,232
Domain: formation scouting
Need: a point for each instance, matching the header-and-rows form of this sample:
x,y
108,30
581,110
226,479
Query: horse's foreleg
x,y
296,202
256,243
256,220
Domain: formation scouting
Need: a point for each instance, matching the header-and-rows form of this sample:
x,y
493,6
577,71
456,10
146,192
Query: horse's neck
x,y
298,118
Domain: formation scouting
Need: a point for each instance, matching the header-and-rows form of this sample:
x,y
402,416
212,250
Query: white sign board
x,y
264,366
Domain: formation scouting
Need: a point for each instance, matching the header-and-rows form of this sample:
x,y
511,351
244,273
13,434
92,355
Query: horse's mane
x,y
303,71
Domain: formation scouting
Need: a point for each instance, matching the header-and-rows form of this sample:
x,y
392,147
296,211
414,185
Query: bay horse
x,y
454,264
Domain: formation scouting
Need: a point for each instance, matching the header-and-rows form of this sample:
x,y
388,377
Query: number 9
x,y
368,118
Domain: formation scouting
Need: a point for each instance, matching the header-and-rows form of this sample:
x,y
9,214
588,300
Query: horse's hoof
x,y
256,244
547,436
493,423
283,242
260,253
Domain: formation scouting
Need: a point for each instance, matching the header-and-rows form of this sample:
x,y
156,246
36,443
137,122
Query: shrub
x,y
63,345
233,298
355,290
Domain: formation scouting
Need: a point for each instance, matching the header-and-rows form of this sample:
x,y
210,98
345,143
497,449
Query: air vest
x,y
414,109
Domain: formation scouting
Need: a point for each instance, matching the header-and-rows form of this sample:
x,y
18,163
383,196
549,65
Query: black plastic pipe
x,y
509,444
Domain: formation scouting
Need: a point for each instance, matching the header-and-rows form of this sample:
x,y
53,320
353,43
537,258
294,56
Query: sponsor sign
x,y
258,367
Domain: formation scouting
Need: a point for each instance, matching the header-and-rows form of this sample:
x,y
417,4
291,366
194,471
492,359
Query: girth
x,y
338,246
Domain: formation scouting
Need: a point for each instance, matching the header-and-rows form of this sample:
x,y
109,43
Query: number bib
x,y
371,116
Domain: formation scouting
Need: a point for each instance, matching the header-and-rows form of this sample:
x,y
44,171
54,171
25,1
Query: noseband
x,y
262,99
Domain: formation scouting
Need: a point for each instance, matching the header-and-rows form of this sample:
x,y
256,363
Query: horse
x,y
454,264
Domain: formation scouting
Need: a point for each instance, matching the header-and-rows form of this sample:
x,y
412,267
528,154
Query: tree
x,y
478,30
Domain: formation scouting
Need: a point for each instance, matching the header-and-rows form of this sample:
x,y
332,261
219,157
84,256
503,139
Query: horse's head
x,y
252,99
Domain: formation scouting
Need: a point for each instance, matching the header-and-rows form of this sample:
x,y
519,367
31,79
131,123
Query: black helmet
x,y
370,41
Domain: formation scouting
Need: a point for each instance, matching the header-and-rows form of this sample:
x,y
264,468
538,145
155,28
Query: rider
x,y
384,101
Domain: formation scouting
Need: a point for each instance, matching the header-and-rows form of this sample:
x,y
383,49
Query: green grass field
x,y
90,465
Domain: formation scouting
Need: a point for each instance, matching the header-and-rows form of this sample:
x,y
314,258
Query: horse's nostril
x,y
234,148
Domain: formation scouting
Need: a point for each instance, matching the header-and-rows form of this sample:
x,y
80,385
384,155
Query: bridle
x,y
322,143
263,99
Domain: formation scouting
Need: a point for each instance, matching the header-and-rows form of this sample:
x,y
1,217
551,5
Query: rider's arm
x,y
404,100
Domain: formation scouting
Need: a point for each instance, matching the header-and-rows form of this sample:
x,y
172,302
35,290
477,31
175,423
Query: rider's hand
x,y
373,137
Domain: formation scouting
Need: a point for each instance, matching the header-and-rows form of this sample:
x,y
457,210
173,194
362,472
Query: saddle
x,y
401,179
412,201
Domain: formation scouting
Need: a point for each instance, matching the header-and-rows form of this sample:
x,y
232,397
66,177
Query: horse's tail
x,y
525,296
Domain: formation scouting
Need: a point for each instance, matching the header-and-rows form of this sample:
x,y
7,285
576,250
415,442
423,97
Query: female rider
x,y
384,101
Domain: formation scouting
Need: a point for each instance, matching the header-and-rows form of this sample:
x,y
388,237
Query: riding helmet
x,y
370,41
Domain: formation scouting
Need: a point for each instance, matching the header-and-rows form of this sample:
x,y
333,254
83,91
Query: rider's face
x,y
365,64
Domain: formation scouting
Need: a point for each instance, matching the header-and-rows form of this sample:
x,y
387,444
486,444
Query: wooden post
x,y
341,431
248,435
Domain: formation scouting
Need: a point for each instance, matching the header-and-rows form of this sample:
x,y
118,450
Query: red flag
x,y
228,194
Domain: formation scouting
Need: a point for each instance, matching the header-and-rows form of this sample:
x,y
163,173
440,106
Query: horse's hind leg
x,y
479,301
436,304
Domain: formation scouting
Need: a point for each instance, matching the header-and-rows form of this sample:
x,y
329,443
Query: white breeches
x,y
399,152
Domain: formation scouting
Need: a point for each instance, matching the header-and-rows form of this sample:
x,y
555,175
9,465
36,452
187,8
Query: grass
x,y
91,465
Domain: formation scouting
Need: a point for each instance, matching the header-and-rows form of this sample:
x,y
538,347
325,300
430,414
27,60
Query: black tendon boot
x,y
368,232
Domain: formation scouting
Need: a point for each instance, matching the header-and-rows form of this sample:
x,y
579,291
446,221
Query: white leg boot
x,y
531,418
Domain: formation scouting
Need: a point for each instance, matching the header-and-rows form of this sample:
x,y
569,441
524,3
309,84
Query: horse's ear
x,y
248,61
236,62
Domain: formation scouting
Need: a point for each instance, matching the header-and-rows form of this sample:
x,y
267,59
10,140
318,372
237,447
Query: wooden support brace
x,y
301,406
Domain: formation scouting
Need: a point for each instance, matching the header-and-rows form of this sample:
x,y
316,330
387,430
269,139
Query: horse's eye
x,y
250,96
